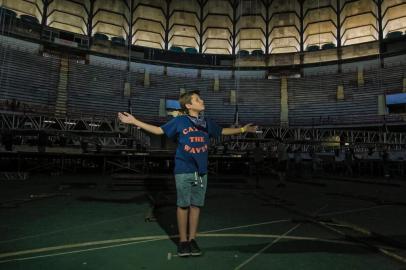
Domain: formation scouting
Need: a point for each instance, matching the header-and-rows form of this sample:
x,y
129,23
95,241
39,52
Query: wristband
x,y
242,130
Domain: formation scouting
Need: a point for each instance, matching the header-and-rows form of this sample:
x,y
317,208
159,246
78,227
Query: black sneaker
x,y
194,248
183,249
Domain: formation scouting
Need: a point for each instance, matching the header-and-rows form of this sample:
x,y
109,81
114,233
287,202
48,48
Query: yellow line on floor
x,y
266,247
76,251
120,240
135,240
252,235
86,244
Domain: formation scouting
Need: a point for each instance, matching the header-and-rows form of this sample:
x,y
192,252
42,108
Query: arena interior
x,y
319,185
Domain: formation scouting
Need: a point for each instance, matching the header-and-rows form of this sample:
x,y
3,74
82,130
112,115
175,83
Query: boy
x,y
190,162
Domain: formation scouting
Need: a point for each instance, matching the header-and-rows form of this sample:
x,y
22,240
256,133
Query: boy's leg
x,y
193,221
182,216
197,201
183,192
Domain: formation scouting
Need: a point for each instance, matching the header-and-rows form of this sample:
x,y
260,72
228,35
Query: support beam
x,y
90,22
167,17
267,20
339,49
234,4
202,4
45,12
380,32
301,37
130,34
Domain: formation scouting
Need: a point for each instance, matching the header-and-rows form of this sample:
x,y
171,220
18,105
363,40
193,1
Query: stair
x,y
284,117
62,94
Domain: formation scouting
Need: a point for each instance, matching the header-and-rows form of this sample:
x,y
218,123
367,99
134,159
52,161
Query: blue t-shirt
x,y
193,141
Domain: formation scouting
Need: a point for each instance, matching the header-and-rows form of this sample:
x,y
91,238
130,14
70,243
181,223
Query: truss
x,y
107,131
103,130
318,138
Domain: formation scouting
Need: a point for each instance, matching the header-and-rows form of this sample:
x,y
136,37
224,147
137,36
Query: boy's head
x,y
191,101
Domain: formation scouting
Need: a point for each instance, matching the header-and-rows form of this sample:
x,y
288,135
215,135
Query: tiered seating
x,y
96,90
28,78
258,100
145,101
313,100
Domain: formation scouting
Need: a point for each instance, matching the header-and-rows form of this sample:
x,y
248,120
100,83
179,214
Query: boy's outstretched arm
x,y
233,131
127,118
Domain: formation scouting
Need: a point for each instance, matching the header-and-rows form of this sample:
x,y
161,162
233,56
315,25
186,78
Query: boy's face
x,y
196,104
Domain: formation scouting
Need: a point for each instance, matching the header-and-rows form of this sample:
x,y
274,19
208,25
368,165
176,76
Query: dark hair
x,y
186,98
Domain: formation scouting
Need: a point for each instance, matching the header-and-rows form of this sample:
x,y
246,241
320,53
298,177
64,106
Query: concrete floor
x,y
93,227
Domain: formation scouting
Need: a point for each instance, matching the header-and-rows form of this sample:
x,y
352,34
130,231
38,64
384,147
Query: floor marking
x,y
78,245
119,240
274,242
77,251
145,239
253,235
238,227
68,229
247,226
156,238
352,210
264,248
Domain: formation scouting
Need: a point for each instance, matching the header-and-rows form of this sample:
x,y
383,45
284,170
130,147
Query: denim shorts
x,y
190,189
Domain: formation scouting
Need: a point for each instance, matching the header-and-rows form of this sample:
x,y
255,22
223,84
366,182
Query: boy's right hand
x,y
126,118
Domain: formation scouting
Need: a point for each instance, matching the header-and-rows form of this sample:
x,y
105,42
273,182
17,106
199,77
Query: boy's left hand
x,y
250,128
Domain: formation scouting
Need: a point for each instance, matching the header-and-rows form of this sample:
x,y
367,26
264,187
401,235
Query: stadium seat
x,y
243,53
100,36
176,49
119,41
191,50
394,34
7,15
257,53
328,46
29,20
312,48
